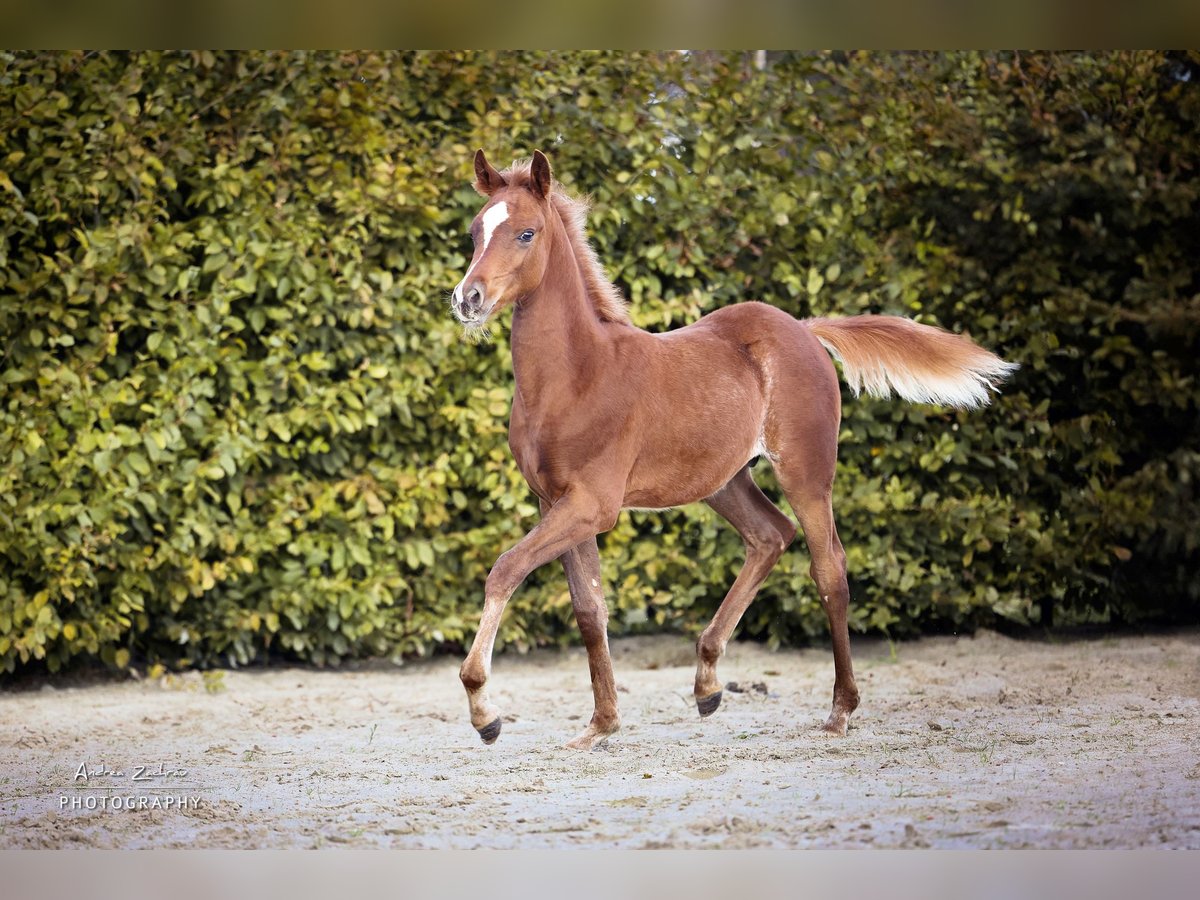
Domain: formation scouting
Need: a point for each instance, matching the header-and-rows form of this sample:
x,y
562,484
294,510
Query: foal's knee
x,y
592,620
830,576
786,529
501,578
769,543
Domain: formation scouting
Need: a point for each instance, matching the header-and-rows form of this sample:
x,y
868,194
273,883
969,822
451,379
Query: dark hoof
x,y
489,733
708,705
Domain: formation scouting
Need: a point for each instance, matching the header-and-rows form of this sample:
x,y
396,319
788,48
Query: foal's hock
x,y
606,416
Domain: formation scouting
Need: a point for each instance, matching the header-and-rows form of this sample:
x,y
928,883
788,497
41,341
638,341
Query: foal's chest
x,y
532,444
552,448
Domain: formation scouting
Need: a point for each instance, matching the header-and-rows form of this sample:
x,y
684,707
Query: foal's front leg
x,y
571,520
582,565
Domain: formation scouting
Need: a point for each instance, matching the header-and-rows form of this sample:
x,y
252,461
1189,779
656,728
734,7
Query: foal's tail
x,y
919,362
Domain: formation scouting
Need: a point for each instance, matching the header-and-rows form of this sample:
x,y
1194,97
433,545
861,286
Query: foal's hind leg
x,y
810,493
766,532
803,438
582,565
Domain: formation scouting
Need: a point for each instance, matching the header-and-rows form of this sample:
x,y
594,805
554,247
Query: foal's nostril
x,y
474,299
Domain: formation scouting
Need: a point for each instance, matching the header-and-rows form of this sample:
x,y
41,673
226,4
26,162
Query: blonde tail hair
x,y
921,363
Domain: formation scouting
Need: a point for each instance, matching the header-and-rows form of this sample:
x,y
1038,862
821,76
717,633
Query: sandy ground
x,y
960,742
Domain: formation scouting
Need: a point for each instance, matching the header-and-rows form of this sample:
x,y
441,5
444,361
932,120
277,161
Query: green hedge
x,y
236,417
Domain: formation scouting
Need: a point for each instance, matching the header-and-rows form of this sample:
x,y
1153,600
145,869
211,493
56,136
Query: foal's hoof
x,y
708,705
837,724
489,733
593,738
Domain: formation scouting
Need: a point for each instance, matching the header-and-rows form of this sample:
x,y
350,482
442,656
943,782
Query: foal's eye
x,y
525,236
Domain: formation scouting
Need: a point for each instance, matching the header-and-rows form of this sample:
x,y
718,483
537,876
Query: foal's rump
x,y
921,363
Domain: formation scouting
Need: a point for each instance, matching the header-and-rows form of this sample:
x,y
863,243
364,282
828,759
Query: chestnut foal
x,y
607,417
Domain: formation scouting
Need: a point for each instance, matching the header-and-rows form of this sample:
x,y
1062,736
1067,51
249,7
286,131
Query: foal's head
x,y
511,235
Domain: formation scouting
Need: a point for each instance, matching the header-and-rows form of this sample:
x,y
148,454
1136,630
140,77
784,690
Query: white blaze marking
x,y
491,220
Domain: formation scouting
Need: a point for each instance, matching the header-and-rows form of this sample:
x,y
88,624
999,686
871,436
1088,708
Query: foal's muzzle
x,y
469,304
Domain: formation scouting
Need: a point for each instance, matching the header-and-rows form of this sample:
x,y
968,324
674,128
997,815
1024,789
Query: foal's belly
x,y
689,455
683,479
680,490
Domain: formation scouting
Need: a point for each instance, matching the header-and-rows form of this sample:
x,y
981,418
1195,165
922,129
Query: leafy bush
x,y
236,417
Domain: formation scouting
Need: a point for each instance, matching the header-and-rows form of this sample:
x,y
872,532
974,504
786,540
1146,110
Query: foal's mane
x,y
606,299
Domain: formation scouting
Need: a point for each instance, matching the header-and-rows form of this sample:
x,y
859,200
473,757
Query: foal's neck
x,y
555,329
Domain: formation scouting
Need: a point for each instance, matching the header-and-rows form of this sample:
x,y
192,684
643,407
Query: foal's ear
x,y
539,175
487,179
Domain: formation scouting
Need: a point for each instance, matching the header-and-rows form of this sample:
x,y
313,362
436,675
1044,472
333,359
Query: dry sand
x,y
960,742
